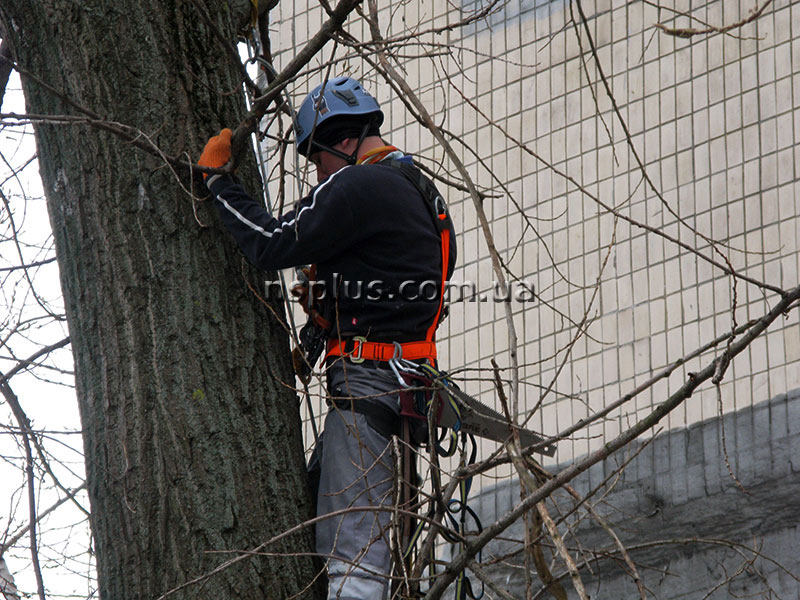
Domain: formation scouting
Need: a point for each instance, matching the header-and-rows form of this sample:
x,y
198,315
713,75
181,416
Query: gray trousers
x,y
356,472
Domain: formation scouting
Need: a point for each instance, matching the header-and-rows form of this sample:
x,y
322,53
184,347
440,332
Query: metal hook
x,y
394,363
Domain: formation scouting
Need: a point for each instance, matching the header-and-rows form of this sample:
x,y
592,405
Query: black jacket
x,y
365,225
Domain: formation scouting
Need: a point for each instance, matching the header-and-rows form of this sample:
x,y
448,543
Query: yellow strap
x,y
254,14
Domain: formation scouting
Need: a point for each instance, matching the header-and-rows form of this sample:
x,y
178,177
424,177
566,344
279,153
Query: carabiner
x,y
394,363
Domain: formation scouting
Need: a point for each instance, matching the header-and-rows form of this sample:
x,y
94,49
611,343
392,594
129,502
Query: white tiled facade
x,y
712,119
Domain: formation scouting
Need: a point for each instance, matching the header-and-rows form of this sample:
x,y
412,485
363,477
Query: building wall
x,y
712,119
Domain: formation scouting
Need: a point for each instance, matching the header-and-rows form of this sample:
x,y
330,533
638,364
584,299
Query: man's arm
x,y
321,226
318,228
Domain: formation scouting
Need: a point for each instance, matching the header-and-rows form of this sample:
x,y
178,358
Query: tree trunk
x,y
193,442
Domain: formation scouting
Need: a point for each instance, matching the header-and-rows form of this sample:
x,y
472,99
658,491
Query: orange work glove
x,y
217,151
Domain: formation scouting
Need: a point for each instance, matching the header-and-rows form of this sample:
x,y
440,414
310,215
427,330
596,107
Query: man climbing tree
x,y
376,232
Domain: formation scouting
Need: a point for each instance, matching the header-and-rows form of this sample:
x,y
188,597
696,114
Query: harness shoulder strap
x,y
434,201
441,222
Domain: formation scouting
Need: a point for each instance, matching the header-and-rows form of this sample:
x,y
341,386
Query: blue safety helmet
x,y
337,98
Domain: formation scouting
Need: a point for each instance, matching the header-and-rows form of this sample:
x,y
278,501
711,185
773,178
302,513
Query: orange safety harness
x,y
358,348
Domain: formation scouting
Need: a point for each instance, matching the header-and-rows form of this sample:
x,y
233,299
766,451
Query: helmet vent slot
x,y
347,96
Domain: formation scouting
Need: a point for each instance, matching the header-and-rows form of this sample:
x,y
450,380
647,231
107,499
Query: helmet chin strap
x,y
350,158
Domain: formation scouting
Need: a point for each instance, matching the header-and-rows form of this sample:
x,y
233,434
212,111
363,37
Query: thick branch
x,y
5,68
314,45
625,438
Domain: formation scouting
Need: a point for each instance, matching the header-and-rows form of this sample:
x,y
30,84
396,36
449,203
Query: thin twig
x,y
24,364
687,32
41,515
27,434
712,243
617,542
473,191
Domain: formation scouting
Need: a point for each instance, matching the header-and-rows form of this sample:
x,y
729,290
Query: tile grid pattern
x,y
712,118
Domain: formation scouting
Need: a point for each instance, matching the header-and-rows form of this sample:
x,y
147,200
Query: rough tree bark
x,y
192,442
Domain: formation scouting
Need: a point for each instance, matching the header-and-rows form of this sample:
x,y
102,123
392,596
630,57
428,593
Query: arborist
x,y
382,246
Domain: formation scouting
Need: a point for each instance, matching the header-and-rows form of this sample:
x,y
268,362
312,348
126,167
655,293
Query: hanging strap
x,y
441,221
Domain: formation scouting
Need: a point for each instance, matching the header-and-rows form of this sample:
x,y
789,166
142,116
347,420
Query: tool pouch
x,y
414,405
313,339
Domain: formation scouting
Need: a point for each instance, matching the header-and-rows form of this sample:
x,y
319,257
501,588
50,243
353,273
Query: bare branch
x,y
685,391
259,108
241,135
32,265
41,515
688,32
24,364
27,433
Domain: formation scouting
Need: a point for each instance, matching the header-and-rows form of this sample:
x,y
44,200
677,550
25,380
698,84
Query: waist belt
x,y
358,349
